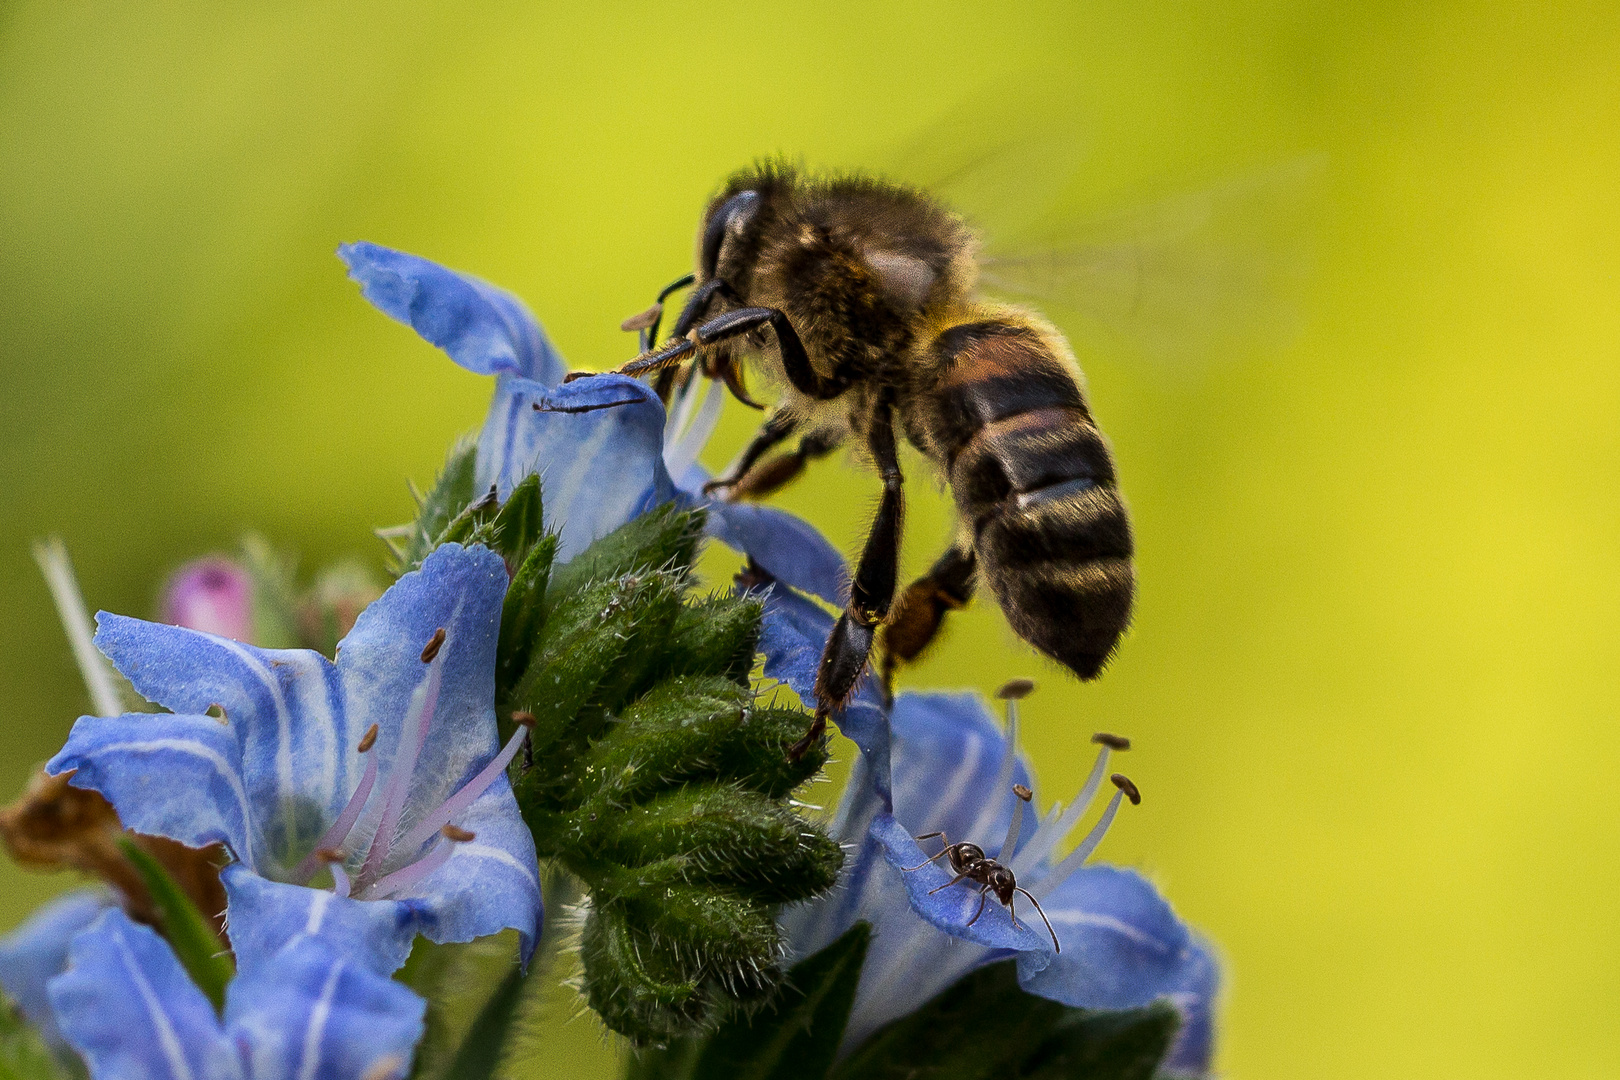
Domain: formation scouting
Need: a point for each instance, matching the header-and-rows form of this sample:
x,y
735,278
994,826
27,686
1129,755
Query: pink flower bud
x,y
213,595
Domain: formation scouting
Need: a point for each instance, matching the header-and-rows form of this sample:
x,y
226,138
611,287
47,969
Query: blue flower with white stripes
x,y
37,951
381,774
603,446
937,763
308,1013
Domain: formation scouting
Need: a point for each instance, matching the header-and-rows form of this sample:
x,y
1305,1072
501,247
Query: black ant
x,y
971,864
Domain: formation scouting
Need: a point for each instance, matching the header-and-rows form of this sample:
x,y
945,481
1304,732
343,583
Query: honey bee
x,y
859,297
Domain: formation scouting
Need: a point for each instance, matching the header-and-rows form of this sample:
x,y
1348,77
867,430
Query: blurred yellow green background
x,y
1372,681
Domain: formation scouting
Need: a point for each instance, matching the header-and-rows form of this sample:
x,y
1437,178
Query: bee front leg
x,y
948,586
872,591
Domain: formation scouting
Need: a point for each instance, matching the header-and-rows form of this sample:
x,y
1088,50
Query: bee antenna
x,y
1057,947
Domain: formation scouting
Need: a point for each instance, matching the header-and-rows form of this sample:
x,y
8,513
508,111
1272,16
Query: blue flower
x,y
37,951
940,764
601,445
382,771
308,1013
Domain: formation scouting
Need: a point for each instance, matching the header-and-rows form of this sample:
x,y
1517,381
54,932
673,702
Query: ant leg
x,y
872,591
946,850
947,586
984,894
948,884
1055,946
925,862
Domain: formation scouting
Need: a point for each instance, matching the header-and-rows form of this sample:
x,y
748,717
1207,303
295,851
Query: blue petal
x,y
263,916
794,633
599,468
948,753
489,883
1122,945
313,1014
788,548
284,707
380,666
1194,995
127,1006
952,909
484,329
38,951
166,775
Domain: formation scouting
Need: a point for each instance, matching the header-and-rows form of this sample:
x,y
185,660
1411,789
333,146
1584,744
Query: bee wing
x,y
1187,280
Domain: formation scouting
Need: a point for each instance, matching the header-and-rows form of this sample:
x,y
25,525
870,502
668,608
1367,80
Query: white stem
x,y
340,880
54,563
696,430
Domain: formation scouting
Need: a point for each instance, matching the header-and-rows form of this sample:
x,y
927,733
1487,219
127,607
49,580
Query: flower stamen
x,y
1059,825
423,705
1077,858
407,876
464,798
333,838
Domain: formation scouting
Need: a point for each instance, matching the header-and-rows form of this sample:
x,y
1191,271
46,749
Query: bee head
x,y
730,220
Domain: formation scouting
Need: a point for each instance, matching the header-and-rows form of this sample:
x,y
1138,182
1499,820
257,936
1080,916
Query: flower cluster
x,y
538,691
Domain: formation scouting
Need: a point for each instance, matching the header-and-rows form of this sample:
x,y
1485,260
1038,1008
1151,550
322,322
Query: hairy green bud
x,y
652,774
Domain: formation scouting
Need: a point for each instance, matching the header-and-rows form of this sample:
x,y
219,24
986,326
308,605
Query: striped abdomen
x,y
1034,481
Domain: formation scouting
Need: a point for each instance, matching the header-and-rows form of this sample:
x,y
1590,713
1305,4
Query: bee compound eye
x,y
730,219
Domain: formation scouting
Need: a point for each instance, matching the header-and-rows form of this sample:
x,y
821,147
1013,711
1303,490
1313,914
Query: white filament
x,y
987,815
1077,858
52,557
1052,831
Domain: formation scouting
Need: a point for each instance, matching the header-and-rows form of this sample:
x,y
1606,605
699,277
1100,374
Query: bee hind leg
x,y
872,591
948,586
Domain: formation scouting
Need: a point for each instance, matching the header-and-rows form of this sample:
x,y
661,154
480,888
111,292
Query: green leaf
x,y
450,494
727,836
486,1041
23,1053
463,984
188,931
583,655
523,615
521,522
796,1037
986,1027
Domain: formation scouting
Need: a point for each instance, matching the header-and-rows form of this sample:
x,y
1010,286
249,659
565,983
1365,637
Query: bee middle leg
x,y
751,481
948,586
872,591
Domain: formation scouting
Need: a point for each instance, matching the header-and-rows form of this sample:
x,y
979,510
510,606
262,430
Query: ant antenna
x,y
1057,947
